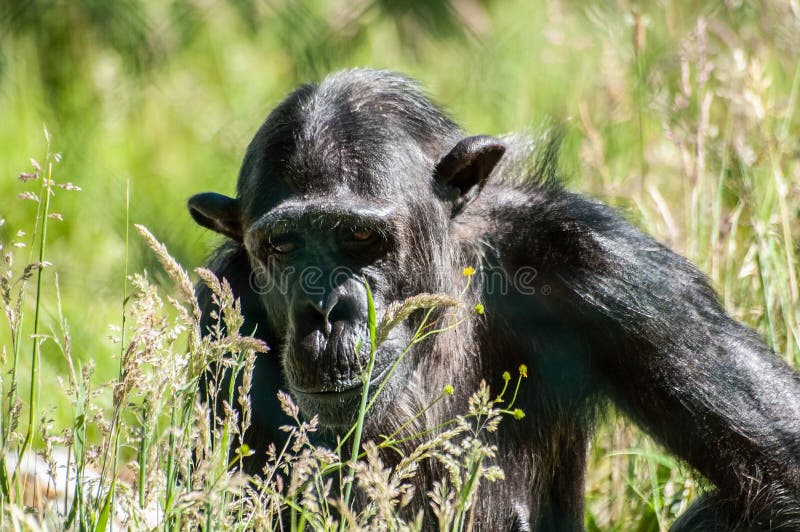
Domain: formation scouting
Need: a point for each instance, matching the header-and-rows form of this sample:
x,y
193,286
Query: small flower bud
x,y
469,271
506,376
518,414
523,370
448,389
479,309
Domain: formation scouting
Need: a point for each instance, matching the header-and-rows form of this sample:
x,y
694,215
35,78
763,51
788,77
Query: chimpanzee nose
x,y
328,310
325,305
334,307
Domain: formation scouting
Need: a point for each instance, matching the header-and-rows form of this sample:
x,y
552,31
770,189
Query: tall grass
x,y
723,150
683,114
179,460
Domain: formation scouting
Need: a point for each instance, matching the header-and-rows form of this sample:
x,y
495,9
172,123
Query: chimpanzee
x,y
361,178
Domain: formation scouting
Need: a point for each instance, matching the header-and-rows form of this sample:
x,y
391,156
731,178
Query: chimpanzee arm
x,y
657,341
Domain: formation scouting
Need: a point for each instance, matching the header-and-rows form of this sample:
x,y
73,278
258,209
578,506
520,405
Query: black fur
x,y
606,312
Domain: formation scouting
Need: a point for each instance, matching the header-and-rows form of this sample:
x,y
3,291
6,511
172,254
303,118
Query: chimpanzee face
x,y
312,259
332,196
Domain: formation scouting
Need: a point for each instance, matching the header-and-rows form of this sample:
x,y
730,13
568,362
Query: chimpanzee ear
x,y
466,167
218,213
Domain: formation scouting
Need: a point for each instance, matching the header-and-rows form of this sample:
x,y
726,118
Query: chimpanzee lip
x,y
353,388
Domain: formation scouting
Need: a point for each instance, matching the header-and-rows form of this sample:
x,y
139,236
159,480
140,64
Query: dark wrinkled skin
x,y
612,314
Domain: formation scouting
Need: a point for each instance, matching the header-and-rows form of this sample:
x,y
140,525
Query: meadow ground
x,y
682,114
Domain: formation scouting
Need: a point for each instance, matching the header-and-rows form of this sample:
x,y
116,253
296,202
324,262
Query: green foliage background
x,y
681,113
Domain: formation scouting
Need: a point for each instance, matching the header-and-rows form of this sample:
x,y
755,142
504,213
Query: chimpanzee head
x,y
359,178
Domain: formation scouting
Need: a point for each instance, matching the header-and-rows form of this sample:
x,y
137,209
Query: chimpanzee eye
x,y
356,235
282,243
361,234
284,247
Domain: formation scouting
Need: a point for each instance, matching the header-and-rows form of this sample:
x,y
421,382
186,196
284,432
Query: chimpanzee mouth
x,y
342,391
